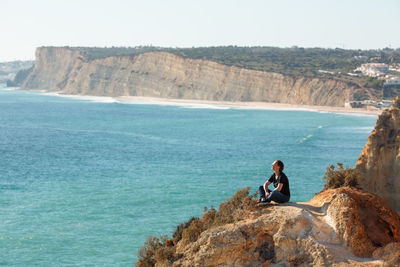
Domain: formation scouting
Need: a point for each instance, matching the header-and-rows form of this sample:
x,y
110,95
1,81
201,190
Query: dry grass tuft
x,y
341,177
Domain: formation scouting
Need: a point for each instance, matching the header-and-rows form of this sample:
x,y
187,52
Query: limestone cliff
x,y
380,159
161,74
338,227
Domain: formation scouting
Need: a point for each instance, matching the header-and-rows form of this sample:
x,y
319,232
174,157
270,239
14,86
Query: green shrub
x,y
156,250
148,251
166,252
228,209
192,233
341,177
208,217
177,235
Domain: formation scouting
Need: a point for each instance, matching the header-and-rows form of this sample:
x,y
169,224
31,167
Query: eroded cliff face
x,y
52,67
160,74
380,159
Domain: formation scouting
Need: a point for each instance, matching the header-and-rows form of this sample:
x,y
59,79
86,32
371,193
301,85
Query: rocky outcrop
x,y
338,227
379,161
52,67
161,74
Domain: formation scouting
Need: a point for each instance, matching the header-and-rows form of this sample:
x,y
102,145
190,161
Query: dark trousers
x,y
273,195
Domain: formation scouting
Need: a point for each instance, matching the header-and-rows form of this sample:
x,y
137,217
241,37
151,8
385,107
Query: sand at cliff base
x,y
246,105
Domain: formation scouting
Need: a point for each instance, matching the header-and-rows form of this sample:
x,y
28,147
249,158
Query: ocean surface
x,y
84,181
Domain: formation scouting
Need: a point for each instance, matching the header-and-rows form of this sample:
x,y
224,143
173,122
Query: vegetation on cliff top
x,y
341,177
295,61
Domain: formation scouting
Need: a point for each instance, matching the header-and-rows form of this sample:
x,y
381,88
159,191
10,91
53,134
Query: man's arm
x,y
279,188
267,183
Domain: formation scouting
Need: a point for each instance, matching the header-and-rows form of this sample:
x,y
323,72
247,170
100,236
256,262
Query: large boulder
x,y
379,161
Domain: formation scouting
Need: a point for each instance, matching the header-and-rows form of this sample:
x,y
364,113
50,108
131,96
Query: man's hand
x,y
267,183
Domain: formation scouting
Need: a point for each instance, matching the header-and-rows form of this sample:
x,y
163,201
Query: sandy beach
x,y
192,103
246,105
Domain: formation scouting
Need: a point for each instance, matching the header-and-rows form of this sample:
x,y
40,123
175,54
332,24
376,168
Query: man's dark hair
x,y
280,164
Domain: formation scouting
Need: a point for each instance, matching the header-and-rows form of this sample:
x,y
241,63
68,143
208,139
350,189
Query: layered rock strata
x,y
379,162
164,75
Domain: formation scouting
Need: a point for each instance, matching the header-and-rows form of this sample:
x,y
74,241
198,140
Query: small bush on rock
x,y
341,177
208,217
147,252
177,235
240,201
156,250
191,233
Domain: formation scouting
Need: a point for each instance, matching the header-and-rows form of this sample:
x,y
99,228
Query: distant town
x,y
388,73
369,104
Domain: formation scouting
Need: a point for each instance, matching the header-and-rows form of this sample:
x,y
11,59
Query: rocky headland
x,y
341,226
166,75
380,159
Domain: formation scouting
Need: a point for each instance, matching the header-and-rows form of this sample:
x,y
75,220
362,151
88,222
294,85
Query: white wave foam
x,y
266,107
357,114
170,103
305,138
98,99
9,88
205,106
186,104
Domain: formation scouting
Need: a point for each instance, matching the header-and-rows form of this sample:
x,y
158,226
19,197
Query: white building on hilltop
x,y
373,69
392,81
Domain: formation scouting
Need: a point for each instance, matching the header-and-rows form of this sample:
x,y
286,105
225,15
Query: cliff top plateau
x,y
291,61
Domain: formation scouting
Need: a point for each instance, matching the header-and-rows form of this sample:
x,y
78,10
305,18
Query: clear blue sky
x,y
355,24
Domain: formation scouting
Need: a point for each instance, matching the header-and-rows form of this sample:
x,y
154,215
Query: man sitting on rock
x,y
281,193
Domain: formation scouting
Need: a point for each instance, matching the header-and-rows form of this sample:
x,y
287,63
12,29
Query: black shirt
x,y
282,178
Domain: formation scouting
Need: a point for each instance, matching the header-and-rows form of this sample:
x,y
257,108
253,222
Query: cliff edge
x,y
165,75
338,227
379,161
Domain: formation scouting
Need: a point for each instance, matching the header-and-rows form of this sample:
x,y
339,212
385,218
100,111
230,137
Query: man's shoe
x,y
263,203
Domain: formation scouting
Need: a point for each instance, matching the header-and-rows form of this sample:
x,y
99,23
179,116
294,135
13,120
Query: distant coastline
x,y
167,75
192,103
251,105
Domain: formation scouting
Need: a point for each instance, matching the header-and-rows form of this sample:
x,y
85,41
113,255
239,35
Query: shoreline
x,y
193,103
247,105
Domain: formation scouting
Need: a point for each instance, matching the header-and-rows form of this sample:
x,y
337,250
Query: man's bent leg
x,y
261,192
277,197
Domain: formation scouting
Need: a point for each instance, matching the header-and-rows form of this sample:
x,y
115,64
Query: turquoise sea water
x,y
85,182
